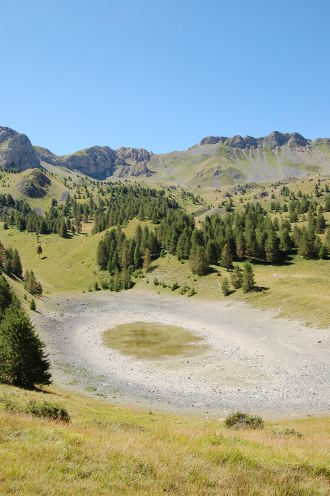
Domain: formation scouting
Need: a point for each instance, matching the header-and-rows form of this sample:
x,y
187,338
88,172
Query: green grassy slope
x,y
65,264
10,184
109,450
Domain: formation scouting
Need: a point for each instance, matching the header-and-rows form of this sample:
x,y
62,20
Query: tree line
x,y
113,205
250,234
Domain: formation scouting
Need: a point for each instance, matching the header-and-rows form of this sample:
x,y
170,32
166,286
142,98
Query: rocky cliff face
x,y
16,151
274,140
97,162
101,162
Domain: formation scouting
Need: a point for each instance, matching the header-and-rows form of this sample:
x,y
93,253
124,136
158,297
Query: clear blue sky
x,y
162,74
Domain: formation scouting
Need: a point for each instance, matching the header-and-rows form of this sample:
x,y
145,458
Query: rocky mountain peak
x,y
16,150
272,140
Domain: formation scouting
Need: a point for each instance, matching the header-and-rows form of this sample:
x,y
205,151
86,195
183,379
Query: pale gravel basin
x,y
253,360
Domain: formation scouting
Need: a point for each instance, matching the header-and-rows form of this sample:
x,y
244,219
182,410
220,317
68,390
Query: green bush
x,y
9,405
240,420
175,286
47,410
43,409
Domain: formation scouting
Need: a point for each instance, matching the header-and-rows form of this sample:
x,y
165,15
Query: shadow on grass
x,y
281,263
261,289
152,268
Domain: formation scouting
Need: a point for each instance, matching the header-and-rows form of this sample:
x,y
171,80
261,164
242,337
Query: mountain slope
x,y
213,163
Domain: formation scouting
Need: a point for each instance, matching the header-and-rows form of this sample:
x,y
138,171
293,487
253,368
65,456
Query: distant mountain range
x,y
214,162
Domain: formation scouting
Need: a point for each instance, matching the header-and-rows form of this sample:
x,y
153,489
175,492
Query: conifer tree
x,y
146,260
180,247
101,255
39,250
320,223
137,257
198,262
323,252
211,251
226,257
22,358
125,261
16,265
236,277
248,282
272,247
240,246
63,232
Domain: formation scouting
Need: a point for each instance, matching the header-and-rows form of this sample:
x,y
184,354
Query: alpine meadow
x,y
164,297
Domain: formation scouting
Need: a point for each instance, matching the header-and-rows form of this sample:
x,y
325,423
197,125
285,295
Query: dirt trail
x,y
253,361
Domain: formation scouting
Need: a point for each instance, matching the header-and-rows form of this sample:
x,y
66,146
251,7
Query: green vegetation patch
x,y
151,340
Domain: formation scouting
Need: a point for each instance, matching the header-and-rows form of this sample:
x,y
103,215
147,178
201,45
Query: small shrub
x,y
163,283
240,420
225,287
33,305
288,432
184,289
191,292
9,405
175,286
216,440
156,282
47,410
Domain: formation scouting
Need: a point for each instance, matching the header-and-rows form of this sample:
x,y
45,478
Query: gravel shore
x,y
252,360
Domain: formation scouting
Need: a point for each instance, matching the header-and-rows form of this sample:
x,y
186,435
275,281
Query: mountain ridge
x,y
214,161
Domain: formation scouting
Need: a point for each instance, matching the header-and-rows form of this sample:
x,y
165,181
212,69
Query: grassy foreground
x,y
109,450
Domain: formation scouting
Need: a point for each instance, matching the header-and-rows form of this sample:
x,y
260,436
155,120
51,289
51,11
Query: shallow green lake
x,y
151,340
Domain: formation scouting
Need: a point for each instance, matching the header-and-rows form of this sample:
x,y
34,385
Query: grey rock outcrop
x,y
97,162
35,185
16,151
100,162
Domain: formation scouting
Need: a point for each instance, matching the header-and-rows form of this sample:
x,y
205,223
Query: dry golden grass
x,y
112,450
